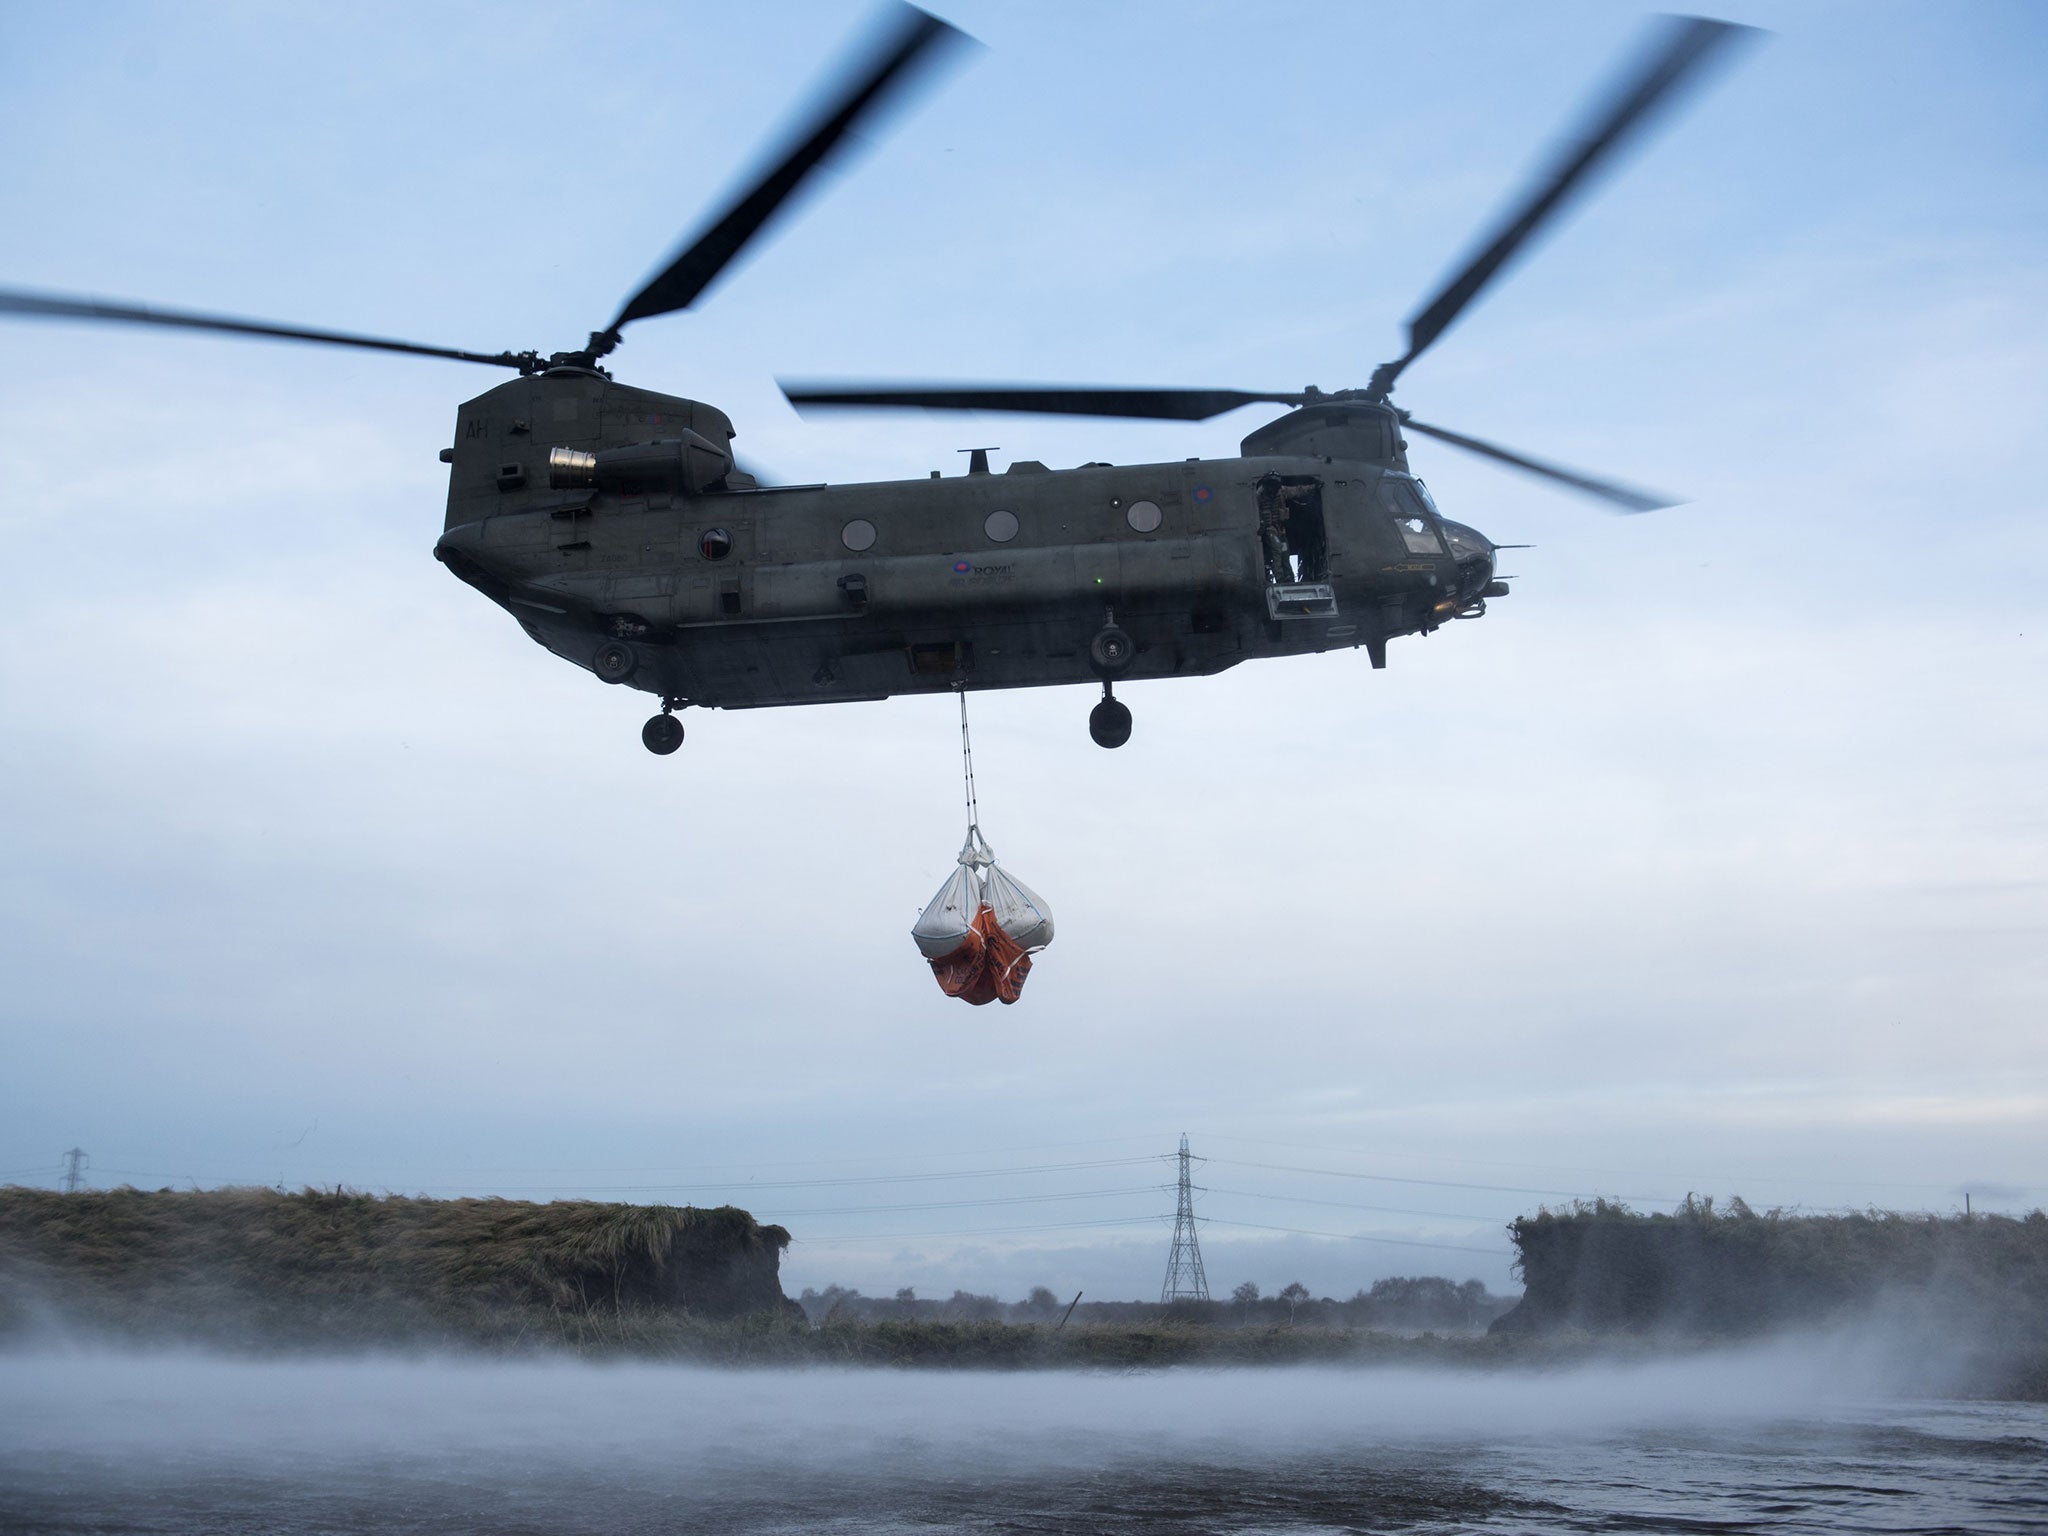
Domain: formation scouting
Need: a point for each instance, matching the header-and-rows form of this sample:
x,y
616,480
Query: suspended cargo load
x,y
980,931
982,928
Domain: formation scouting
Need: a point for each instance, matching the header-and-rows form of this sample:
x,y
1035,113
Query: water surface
x,y
1763,1441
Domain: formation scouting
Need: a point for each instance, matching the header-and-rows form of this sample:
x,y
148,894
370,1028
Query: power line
x,y
1137,1221
468,1170
1361,1237
1054,1226
1388,1178
955,1205
771,1212
753,1184
1345,1205
1470,1162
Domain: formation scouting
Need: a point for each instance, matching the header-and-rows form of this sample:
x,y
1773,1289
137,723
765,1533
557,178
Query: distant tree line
x,y
1710,1271
1407,1304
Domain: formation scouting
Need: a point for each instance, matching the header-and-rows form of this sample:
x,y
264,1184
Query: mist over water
x,y
1783,1438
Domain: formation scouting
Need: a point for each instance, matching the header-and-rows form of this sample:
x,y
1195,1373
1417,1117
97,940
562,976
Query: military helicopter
x,y
616,526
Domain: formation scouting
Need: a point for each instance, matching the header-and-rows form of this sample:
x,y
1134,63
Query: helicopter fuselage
x,y
614,524
611,523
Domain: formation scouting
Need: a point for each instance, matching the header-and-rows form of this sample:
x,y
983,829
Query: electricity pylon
x,y
1184,1278
74,1169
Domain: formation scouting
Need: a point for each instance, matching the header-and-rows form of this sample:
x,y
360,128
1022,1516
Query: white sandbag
x,y
947,921
1019,911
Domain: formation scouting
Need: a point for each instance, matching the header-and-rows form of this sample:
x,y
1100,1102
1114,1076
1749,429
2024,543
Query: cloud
x,y
1707,860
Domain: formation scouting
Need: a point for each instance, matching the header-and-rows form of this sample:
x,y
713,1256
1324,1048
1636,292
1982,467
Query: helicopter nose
x,y
1468,543
1473,551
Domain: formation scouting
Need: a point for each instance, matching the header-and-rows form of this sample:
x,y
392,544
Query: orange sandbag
x,y
990,967
958,970
1007,963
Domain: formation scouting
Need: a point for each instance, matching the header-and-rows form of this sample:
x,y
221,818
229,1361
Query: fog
x,y
171,1407
1794,1435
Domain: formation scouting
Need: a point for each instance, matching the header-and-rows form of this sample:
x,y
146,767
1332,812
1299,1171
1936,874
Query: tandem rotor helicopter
x,y
616,526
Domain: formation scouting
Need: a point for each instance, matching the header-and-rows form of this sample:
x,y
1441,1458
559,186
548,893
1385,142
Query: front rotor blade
x,y
1676,60
1622,496
914,39
54,306
1041,399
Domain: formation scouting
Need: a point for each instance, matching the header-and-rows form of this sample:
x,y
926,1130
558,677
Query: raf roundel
x,y
963,567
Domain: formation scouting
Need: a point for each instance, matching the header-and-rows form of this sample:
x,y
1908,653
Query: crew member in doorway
x,y
1273,530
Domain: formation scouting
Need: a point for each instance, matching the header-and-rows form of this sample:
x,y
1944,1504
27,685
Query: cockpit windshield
x,y
1414,514
1466,543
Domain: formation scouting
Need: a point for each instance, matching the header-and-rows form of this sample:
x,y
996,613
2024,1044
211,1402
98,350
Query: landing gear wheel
x,y
614,662
1111,652
662,735
1109,723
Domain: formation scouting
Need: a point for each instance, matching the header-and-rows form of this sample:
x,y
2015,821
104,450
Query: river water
x,y
1775,1441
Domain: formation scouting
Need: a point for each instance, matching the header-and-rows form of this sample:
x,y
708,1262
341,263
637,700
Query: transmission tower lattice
x,y
75,1162
1184,1278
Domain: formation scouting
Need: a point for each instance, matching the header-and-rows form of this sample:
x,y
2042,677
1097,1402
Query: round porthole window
x,y
1001,526
858,535
1143,516
716,544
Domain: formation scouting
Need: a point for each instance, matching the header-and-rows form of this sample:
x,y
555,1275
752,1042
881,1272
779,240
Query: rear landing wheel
x,y
1109,723
662,735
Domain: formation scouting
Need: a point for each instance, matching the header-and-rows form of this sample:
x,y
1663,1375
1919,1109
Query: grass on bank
x,y
254,1264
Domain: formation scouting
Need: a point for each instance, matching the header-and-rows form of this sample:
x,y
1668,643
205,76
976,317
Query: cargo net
x,y
982,928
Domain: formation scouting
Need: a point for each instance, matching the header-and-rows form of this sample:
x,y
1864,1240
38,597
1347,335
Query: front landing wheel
x,y
662,735
1111,652
1109,723
614,662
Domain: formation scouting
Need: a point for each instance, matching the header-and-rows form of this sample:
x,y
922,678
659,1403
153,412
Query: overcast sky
x,y
1713,859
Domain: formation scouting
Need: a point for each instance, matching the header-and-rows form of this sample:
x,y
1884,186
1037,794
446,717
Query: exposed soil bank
x,y
258,1266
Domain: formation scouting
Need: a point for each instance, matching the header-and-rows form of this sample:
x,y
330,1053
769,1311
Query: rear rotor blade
x,y
914,39
1042,399
54,306
1676,61
1621,496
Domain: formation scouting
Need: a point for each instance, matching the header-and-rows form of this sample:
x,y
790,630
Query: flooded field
x,y
1754,1442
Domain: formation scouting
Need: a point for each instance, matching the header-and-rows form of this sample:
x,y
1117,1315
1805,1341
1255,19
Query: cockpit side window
x,y
1420,538
1413,515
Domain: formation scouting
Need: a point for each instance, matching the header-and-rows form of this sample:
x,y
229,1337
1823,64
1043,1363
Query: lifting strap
x,y
975,851
967,765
